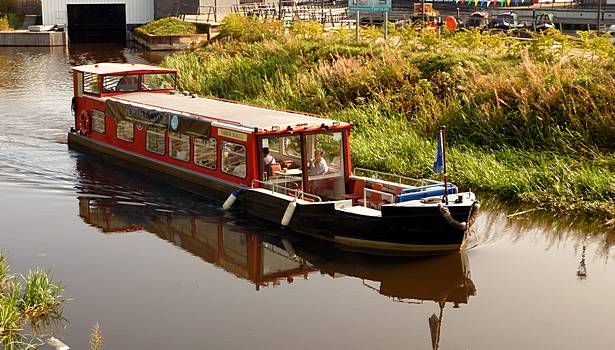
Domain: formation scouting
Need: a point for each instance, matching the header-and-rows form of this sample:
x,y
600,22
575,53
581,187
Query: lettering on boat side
x,y
137,113
235,135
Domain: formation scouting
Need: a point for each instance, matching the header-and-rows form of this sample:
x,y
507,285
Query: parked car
x,y
506,21
478,19
543,21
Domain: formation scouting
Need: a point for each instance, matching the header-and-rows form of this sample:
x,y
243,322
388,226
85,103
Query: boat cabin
x,y
137,109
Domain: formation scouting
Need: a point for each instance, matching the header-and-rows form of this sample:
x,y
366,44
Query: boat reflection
x,y
264,255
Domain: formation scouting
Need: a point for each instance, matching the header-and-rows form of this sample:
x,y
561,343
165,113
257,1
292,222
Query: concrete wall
x,y
167,8
137,11
22,38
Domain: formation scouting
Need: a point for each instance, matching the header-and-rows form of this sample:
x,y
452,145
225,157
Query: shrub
x,y
4,24
168,26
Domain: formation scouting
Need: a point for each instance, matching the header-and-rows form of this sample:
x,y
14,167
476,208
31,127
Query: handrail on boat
x,y
375,174
297,193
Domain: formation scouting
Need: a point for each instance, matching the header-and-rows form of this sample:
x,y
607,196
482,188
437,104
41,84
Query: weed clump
x,y
169,26
37,301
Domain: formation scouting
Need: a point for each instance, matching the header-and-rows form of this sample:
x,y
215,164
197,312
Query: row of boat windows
x,y
205,150
127,83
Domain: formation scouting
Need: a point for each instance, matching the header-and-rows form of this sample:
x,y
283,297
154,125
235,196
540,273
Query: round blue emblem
x,y
174,122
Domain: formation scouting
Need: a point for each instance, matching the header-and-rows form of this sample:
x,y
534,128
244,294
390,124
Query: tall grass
x,y
96,338
40,295
530,121
36,301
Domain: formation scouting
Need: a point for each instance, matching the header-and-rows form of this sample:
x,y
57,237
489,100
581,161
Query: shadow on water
x,y
263,254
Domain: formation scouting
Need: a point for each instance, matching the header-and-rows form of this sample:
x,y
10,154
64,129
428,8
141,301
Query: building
x,y
108,20
97,20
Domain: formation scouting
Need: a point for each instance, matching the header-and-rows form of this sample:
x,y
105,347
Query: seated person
x,y
318,165
268,159
128,83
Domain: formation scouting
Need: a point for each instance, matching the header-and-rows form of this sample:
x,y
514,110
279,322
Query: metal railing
x,y
380,175
287,191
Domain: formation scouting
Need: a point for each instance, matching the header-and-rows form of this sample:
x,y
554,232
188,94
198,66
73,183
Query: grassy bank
x,y
36,303
170,26
528,122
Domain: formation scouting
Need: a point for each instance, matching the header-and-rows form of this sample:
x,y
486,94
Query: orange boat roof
x,y
111,68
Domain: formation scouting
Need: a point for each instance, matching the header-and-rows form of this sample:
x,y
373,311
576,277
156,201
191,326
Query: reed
x,y
5,273
529,122
11,321
40,295
96,338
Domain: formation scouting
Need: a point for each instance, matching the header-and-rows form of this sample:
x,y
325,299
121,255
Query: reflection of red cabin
x,y
102,218
239,253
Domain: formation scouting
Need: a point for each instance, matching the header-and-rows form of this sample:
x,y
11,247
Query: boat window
x,y
283,162
291,146
91,84
121,83
326,165
98,121
159,81
179,146
205,152
155,140
125,131
234,159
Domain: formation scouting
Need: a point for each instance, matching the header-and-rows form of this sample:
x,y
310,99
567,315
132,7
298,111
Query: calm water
x,y
162,269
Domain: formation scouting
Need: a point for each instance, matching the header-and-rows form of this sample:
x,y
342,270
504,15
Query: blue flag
x,y
438,163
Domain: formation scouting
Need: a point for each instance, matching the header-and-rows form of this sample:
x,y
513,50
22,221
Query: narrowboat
x,y
285,167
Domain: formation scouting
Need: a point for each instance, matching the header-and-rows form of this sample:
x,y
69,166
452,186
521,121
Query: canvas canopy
x,y
157,117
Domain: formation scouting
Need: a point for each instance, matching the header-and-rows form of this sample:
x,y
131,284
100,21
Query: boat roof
x,y
111,68
233,113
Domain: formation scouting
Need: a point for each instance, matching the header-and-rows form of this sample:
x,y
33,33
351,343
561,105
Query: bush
x,y
4,24
169,26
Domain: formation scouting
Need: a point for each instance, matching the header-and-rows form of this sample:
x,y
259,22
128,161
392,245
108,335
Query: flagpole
x,y
443,137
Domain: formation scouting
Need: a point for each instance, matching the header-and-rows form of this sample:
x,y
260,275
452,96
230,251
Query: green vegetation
x,y
4,24
170,26
9,20
528,122
38,302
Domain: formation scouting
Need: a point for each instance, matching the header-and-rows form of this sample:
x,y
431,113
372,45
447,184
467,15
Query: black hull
x,y
400,229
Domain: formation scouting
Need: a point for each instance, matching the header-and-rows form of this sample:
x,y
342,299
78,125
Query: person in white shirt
x,y
318,166
268,157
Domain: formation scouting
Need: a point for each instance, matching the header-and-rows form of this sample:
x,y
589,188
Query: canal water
x,y
159,268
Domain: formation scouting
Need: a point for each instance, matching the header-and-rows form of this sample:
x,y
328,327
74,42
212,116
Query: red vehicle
x,y
132,113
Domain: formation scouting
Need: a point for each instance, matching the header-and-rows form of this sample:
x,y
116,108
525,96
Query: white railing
x,y
402,180
287,191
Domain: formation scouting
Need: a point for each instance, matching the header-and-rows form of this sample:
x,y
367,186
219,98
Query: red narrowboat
x,y
285,167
